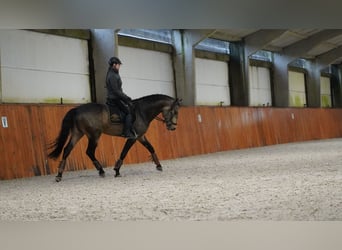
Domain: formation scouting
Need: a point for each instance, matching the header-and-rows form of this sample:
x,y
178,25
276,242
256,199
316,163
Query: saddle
x,y
115,114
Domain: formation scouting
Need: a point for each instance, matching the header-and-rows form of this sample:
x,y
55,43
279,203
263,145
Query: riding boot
x,y
128,130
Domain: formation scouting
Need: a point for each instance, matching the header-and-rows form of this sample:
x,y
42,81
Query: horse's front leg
x,y
92,144
150,148
129,143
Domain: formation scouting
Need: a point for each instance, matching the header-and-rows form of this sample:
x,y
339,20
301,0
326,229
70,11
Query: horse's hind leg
x,y
150,148
92,144
61,168
75,137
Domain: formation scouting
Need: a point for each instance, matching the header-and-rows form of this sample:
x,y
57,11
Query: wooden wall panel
x,y
17,151
201,130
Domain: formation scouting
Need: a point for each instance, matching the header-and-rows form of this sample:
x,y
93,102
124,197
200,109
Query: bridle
x,y
169,121
160,119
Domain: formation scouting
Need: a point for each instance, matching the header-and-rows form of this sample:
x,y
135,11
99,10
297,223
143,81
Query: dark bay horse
x,y
92,120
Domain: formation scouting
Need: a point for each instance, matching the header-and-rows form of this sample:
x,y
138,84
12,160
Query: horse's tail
x,y
58,144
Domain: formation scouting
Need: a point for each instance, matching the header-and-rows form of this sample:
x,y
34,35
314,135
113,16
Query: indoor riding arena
x,y
258,135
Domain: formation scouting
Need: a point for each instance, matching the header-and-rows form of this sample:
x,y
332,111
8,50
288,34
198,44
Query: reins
x,y
160,119
177,101
164,121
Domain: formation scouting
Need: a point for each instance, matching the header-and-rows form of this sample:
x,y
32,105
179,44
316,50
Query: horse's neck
x,y
152,110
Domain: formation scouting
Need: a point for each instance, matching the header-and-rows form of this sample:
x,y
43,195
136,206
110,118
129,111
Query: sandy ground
x,y
296,182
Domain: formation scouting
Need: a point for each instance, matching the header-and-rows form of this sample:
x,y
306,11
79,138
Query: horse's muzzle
x,y
171,125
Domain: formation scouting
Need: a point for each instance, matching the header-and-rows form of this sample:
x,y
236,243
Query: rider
x,y
116,97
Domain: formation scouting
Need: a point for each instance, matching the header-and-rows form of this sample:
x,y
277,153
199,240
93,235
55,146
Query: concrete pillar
x,y
178,64
184,42
184,67
313,83
281,79
237,75
336,85
329,58
104,43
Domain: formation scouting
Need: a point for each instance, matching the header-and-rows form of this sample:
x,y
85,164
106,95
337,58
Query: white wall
x,y
260,93
212,85
145,72
42,68
297,89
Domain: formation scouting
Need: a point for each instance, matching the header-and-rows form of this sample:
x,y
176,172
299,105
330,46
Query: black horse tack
x,y
93,119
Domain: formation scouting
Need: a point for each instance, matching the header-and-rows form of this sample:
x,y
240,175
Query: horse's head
x,y
170,114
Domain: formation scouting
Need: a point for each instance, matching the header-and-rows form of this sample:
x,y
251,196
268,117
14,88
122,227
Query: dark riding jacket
x,y
114,87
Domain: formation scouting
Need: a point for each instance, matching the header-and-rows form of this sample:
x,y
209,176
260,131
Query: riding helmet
x,y
114,60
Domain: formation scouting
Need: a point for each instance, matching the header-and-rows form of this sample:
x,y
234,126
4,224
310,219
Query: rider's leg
x,y
128,127
128,130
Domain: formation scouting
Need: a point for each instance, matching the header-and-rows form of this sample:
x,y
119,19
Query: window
x,y
325,92
262,55
297,89
212,86
43,68
146,72
260,93
158,35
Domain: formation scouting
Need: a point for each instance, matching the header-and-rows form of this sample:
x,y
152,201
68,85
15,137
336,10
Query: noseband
x,y
165,121
169,121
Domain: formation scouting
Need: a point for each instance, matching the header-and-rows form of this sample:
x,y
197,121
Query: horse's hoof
x,y
159,167
103,174
58,178
117,173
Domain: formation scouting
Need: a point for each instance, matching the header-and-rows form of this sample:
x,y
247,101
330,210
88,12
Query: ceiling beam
x,y
330,57
300,48
198,35
260,39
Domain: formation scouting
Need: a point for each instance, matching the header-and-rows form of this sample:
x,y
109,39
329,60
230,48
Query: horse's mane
x,y
153,98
